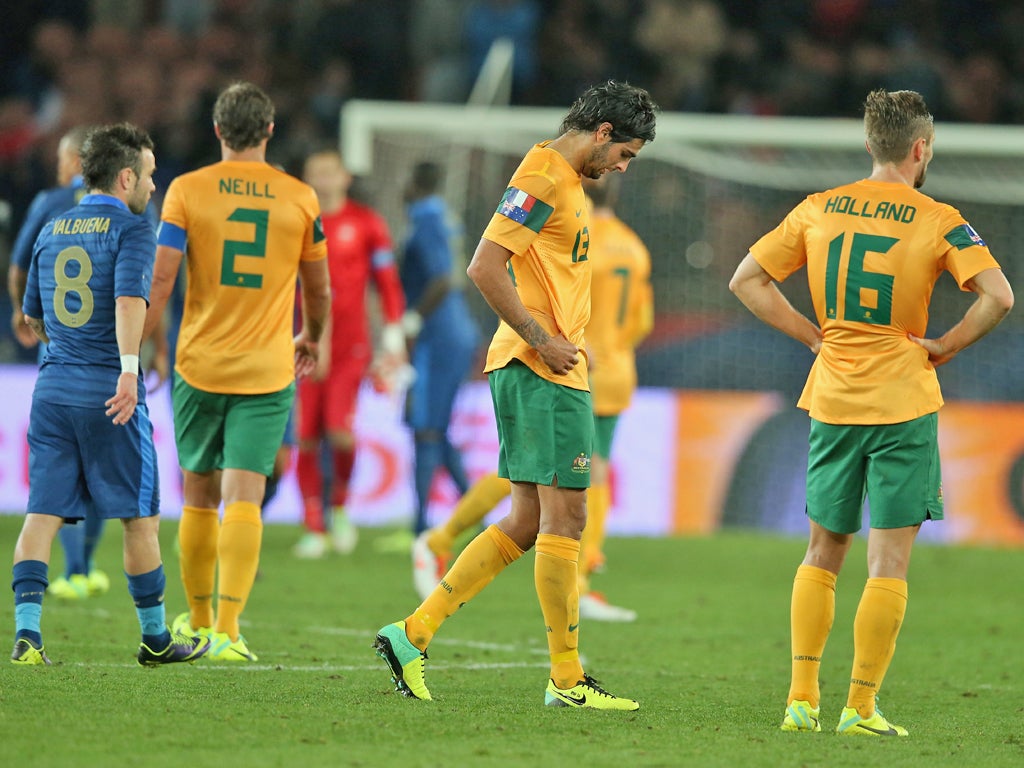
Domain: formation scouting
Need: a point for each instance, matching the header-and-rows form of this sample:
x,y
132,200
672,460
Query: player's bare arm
x,y
129,319
489,272
38,328
316,310
165,273
995,300
759,293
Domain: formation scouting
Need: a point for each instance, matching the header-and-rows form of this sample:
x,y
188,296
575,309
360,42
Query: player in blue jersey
x,y
89,435
78,542
45,205
442,331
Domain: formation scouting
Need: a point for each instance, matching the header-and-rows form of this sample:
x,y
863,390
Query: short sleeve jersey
x,y
543,220
82,262
620,300
873,252
244,228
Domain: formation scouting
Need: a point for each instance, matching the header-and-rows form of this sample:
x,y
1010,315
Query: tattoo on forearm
x,y
531,332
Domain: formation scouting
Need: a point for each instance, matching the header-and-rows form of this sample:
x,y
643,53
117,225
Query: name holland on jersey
x,y
81,226
871,209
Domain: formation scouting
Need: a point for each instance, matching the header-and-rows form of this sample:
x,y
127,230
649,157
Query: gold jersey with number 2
x,y
873,252
247,226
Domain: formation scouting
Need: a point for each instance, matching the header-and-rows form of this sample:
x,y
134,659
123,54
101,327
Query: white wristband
x,y
392,340
130,364
412,323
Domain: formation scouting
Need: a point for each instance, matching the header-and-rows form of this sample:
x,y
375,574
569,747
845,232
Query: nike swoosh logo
x,y
573,627
581,700
579,213
880,731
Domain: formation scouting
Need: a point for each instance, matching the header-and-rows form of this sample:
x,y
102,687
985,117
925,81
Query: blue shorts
x,y
440,371
78,456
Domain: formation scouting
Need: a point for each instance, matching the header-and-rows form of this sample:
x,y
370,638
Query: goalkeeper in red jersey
x,y
358,249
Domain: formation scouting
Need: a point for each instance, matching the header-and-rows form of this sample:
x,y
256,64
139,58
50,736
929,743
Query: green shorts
x,y
217,431
895,465
604,431
545,430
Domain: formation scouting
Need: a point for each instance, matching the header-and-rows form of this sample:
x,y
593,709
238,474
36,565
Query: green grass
x,y
708,660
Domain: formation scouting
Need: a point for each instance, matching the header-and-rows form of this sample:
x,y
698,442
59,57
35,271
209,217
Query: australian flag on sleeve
x,y
524,209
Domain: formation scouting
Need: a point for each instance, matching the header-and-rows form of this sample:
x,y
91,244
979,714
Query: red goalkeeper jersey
x,y
358,248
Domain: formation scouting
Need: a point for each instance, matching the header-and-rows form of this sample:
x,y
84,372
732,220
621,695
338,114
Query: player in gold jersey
x,y
247,231
532,266
621,315
873,251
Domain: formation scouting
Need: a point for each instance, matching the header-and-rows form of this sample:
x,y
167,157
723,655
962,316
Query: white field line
x,y
509,648
329,668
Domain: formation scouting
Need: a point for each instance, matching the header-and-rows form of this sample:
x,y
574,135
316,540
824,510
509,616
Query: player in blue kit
x,y
80,578
438,322
90,437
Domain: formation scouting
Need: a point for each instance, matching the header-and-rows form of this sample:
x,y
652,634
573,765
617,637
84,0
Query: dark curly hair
x,y
243,113
630,110
108,150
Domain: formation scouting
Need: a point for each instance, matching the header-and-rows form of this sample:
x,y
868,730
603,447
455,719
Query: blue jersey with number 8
x,y
83,260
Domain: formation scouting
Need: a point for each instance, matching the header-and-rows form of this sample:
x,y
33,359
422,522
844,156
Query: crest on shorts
x,y
581,464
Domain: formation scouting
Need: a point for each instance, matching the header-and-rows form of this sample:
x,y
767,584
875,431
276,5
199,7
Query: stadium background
x,y
714,438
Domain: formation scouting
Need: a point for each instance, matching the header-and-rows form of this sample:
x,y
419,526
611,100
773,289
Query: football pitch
x,y
707,659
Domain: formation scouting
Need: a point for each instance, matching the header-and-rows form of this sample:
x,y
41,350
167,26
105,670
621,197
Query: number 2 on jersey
x,y
861,284
256,247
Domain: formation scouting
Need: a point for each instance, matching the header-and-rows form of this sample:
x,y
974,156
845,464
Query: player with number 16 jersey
x,y
873,251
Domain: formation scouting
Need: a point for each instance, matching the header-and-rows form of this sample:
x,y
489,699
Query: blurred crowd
x,y
159,63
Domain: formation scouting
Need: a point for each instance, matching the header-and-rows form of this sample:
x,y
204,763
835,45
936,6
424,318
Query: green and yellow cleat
x,y
801,716
586,693
405,661
180,648
852,724
97,582
26,654
223,648
75,588
182,625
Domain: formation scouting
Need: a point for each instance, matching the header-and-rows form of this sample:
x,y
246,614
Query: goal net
x,y
699,196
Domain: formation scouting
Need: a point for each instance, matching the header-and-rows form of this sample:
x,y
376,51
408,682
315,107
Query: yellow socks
x,y
599,500
482,559
197,535
239,556
879,617
483,496
812,610
555,576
